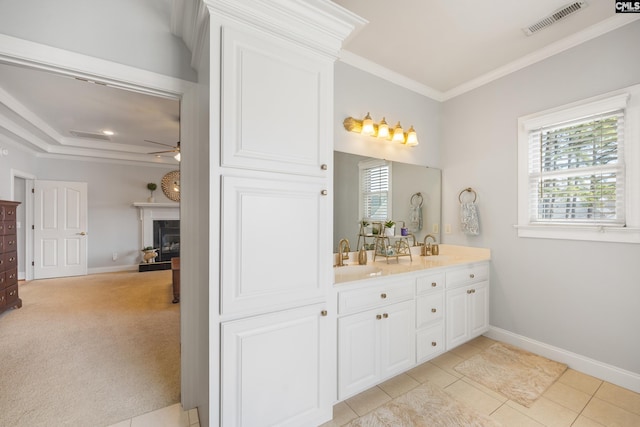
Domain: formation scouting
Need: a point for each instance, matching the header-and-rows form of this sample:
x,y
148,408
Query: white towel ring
x,y
469,190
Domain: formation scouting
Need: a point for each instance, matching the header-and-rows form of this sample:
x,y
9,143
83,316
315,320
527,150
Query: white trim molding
x,y
600,370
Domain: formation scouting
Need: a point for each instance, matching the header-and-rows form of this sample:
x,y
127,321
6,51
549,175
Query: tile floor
x,y
171,416
576,399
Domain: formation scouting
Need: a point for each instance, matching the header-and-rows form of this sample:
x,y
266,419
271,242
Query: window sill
x,y
589,233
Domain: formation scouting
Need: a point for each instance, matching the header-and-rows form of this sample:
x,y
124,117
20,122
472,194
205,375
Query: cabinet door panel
x,y
479,307
457,317
273,249
274,96
398,343
275,370
359,352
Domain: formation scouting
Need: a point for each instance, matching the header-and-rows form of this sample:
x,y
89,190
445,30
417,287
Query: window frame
x,y
627,98
370,164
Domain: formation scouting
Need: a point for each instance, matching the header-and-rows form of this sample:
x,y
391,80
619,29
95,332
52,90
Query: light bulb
x,y
398,133
383,129
412,138
177,156
367,125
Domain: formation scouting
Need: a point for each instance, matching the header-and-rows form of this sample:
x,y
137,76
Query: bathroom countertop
x,y
450,255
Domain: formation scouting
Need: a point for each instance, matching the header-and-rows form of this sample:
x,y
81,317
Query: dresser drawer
x,y
11,294
3,298
9,227
430,283
429,309
467,274
11,277
359,299
8,243
9,213
429,342
10,260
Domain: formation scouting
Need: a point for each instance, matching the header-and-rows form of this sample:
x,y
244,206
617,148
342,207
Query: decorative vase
x,y
389,231
149,255
151,199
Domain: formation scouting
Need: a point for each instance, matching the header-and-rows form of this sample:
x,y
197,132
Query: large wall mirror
x,y
406,180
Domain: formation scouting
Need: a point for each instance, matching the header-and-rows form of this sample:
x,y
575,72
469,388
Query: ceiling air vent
x,y
556,16
90,135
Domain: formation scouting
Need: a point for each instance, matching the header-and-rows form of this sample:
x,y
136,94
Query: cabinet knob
x,y
323,313
378,316
324,192
468,291
385,315
434,284
324,167
383,295
433,310
473,291
433,343
472,275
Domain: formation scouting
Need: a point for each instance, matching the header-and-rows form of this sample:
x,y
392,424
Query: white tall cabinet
x,y
272,114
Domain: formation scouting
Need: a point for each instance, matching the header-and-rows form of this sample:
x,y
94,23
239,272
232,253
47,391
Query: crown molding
x,y
319,24
566,43
576,39
189,21
384,73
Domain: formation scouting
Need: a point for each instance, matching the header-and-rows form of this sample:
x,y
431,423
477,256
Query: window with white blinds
x,y
375,189
579,170
576,171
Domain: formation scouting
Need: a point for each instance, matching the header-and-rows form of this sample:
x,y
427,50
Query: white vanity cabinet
x,y
376,335
467,303
429,316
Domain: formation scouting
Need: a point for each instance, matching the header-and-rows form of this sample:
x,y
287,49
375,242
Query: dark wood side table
x,y
175,272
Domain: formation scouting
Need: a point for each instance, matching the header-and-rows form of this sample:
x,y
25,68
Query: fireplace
x,y
166,238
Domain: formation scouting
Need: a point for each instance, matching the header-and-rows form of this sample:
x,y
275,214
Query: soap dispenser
x,y
362,256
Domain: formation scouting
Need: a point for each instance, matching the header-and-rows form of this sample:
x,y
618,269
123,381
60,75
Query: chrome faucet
x,y
426,248
343,253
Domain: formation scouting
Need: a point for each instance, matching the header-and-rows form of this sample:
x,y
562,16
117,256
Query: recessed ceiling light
x,y
108,132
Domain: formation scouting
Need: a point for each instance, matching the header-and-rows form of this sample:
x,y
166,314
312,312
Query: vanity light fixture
x,y
177,156
367,126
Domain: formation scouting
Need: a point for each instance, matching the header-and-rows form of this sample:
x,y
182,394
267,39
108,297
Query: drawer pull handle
x,y
385,315
12,293
12,259
324,167
324,192
468,291
383,295
323,313
433,310
472,275
434,284
433,343
378,316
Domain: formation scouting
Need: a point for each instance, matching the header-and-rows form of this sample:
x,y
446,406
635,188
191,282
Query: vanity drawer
x,y
430,283
467,274
11,294
355,300
429,308
429,342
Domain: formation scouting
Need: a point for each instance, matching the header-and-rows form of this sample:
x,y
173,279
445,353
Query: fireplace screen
x,y
166,238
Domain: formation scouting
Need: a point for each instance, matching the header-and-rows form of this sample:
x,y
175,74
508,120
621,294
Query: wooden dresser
x,y
8,257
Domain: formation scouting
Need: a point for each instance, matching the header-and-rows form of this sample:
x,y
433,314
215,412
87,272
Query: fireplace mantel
x,y
154,211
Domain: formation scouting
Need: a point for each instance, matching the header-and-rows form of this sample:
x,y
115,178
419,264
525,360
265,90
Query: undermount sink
x,y
355,271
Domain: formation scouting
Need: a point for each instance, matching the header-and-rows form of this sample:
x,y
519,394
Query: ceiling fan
x,y
175,149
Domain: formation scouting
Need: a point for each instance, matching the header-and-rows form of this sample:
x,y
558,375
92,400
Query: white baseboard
x,y
113,269
603,371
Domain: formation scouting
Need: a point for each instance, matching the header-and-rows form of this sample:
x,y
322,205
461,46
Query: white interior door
x,y
60,229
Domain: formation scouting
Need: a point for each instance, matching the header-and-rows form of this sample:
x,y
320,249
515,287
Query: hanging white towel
x,y
415,219
469,219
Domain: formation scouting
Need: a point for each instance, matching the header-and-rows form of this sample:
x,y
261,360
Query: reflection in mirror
x,y
406,180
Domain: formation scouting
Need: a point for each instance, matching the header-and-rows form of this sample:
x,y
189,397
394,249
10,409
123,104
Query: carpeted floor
x,y
515,373
90,350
